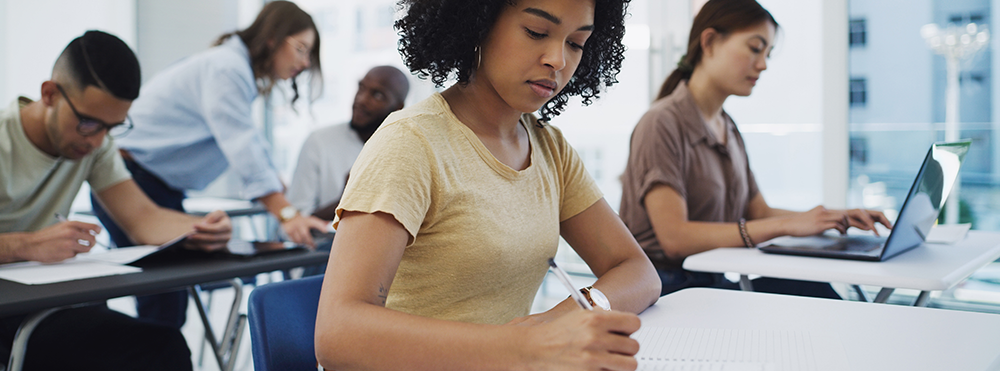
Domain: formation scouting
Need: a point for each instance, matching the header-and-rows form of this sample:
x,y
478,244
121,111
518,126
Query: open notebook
x,y
689,349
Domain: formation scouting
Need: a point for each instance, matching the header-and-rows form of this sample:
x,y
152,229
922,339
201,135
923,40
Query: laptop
x,y
919,213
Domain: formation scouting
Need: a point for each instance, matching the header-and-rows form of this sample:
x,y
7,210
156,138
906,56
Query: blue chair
x,y
282,323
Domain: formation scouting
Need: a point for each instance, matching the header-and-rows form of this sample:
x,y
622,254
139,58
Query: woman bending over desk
x,y
456,204
193,121
688,187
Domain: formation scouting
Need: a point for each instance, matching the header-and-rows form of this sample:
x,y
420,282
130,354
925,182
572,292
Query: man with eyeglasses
x,y
48,148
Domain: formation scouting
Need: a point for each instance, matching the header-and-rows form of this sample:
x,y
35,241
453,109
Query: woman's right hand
x,y
299,229
585,340
820,219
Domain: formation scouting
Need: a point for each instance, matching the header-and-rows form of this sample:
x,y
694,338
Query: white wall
x,y
835,164
3,52
170,30
34,34
787,122
789,91
669,26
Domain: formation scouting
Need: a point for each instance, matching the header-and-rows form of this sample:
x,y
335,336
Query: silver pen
x,y
573,292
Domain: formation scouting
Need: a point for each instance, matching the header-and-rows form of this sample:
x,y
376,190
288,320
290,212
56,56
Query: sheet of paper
x,y
119,256
34,273
948,234
126,255
670,348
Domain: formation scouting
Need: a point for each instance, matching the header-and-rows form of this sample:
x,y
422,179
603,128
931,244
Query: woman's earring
x,y
479,57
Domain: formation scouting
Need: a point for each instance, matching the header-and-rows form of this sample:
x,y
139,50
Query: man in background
x,y
328,154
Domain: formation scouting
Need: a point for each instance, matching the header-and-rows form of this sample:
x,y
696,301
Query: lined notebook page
x,y
672,348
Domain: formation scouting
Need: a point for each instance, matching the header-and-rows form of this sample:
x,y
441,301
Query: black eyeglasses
x,y
89,126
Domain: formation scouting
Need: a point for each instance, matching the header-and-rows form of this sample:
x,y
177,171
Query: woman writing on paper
x,y
456,203
688,187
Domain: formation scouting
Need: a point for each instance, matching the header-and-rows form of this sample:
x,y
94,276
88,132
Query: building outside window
x,y
858,35
859,92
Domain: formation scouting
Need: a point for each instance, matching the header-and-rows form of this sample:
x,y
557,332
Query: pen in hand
x,y
569,285
62,219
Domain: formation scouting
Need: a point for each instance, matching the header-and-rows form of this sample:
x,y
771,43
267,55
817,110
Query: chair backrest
x,y
282,318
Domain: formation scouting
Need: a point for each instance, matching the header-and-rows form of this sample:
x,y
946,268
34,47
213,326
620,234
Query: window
x,y
859,150
888,140
965,18
858,33
859,92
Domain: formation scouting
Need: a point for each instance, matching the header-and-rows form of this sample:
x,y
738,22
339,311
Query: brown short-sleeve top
x,y
672,146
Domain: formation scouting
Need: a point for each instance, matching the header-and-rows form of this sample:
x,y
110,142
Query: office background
x,y
850,102
794,123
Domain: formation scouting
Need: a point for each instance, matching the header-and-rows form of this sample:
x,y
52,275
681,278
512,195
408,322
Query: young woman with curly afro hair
x,y
456,204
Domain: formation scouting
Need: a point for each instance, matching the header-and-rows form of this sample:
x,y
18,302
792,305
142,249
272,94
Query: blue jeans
x,y
169,308
677,279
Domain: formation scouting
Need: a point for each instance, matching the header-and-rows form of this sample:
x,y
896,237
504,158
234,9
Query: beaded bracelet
x,y
743,233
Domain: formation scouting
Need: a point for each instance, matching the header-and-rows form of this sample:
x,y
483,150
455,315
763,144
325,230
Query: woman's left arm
x,y
624,273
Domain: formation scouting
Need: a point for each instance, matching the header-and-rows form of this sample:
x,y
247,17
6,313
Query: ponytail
x,y
682,72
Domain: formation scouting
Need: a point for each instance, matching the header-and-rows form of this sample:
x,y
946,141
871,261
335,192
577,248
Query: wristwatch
x,y
287,213
596,298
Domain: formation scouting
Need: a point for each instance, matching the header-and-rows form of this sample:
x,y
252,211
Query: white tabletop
x,y
926,268
873,337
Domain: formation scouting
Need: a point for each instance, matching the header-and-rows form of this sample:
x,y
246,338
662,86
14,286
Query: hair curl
x,y
439,41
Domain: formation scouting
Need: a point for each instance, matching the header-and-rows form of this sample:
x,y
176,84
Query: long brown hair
x,y
277,21
724,16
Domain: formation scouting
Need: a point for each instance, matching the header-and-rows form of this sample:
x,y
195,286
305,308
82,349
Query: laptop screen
x,y
927,195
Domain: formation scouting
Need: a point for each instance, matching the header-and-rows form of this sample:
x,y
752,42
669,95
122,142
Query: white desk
x,y
874,337
926,268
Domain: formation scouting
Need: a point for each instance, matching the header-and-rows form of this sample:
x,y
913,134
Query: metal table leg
x,y
883,295
861,293
20,346
745,283
922,299
227,345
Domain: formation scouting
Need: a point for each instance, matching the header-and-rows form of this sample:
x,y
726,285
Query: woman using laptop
x,y
688,186
456,203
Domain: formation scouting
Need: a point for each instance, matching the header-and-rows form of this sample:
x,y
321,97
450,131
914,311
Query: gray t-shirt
x,y
35,186
321,172
672,146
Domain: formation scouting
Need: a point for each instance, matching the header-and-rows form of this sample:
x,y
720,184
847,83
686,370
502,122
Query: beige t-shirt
x,y
481,232
35,186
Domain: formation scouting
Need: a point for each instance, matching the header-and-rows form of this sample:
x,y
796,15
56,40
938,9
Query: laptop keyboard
x,y
863,243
